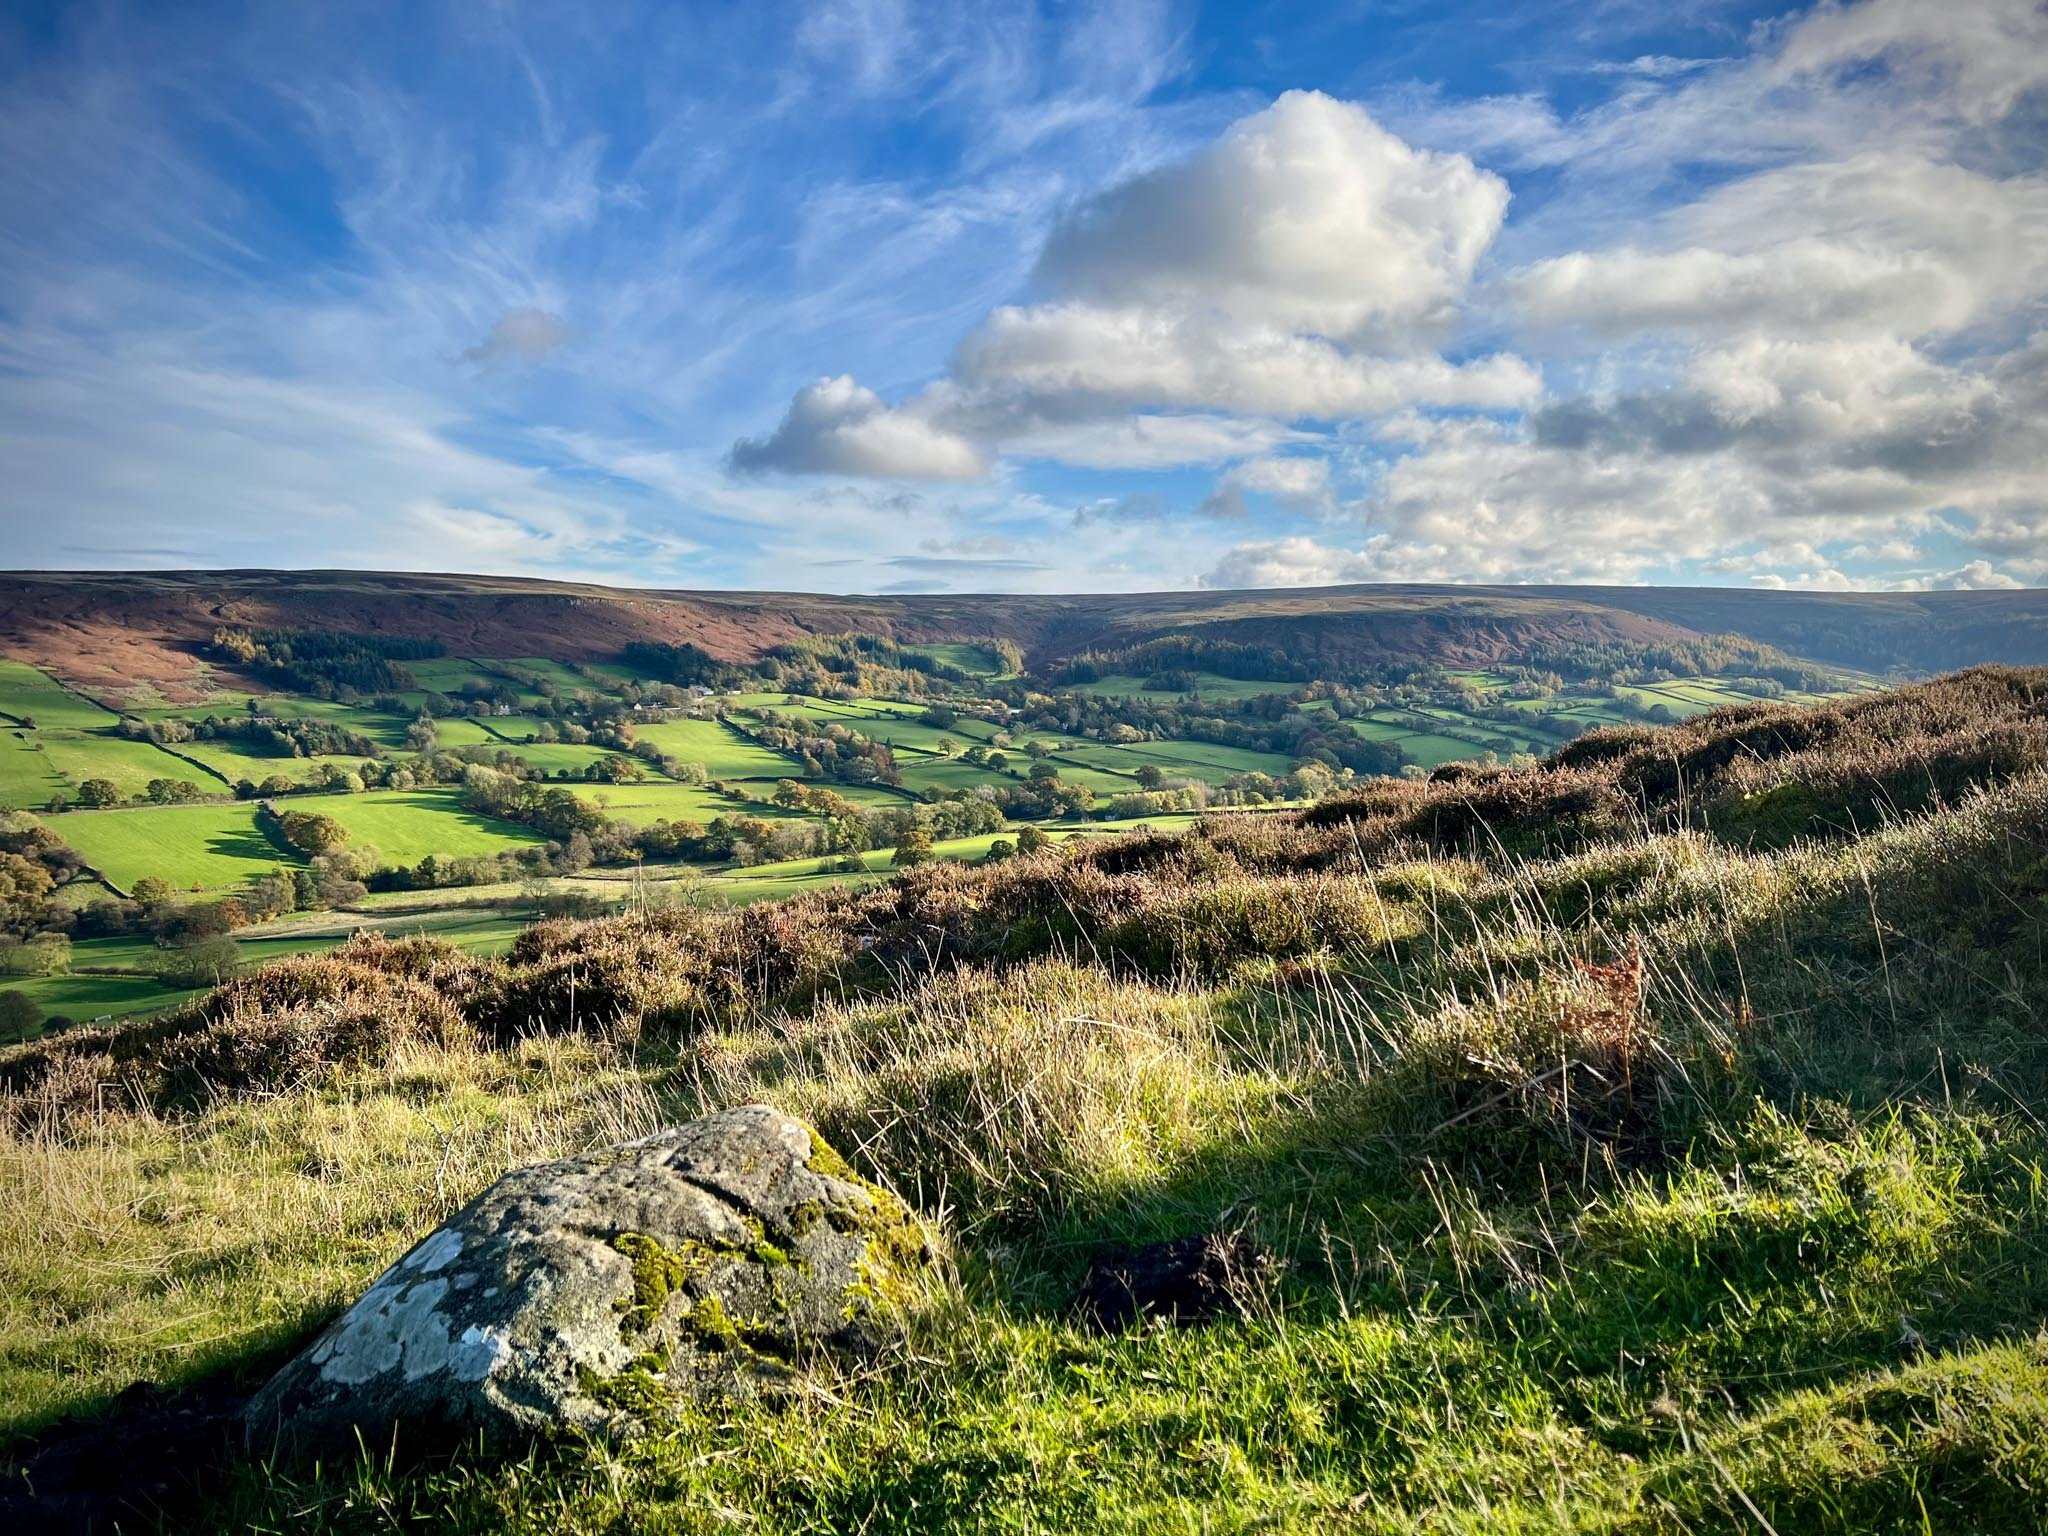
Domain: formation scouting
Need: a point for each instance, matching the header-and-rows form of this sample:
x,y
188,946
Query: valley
x,y
464,794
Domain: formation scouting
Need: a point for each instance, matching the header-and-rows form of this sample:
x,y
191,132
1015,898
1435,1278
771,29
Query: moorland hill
x,y
117,630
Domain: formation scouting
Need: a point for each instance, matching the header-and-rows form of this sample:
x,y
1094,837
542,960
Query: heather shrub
x,y
286,1023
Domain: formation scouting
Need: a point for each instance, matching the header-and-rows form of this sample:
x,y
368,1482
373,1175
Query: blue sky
x,y
878,296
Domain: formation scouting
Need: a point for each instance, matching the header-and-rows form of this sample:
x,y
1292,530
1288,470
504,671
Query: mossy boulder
x,y
595,1293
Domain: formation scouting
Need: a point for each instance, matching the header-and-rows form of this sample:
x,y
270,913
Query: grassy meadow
x,y
407,825
194,847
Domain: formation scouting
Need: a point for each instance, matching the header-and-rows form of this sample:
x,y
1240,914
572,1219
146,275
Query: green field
x,y
1417,746
555,758
764,882
659,800
85,999
977,659
1194,759
1207,685
451,674
407,825
129,765
26,693
200,847
28,778
565,678
925,774
462,731
724,752
233,764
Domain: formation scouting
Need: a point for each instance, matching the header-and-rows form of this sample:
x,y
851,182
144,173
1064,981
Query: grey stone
x,y
597,1292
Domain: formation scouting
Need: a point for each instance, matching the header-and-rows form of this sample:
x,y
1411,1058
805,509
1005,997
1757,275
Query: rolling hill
x,y
120,631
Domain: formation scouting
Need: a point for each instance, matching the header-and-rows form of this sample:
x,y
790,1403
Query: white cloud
x,y
1984,55
1293,562
1149,441
218,467
1072,356
1294,270
1842,248
1308,216
1976,576
1765,455
837,427
1300,483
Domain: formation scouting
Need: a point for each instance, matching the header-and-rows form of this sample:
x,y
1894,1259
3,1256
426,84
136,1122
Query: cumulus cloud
x,y
1308,216
1296,270
1302,484
837,427
1840,248
520,336
1293,562
1064,356
1764,458
1984,57
1148,440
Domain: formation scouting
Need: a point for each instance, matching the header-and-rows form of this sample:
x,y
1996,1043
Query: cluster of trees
x,y
823,666
259,734
1271,722
682,666
832,751
34,861
1638,661
848,666
1173,660
325,663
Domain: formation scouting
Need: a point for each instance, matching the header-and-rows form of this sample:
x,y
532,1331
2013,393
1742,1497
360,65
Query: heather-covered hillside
x,y
1649,1140
112,632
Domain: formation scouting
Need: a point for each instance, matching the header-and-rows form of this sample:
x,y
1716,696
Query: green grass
x,y
28,777
450,674
234,765
724,752
565,677
1428,748
556,758
1180,759
88,998
407,825
806,872
1208,685
976,659
659,800
460,731
194,847
1629,1167
27,693
943,773
129,765
485,931
908,736
1806,1281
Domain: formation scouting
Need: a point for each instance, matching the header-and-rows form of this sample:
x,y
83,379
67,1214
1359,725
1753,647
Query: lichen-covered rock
x,y
597,1292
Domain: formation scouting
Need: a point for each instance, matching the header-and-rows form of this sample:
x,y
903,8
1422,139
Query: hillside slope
x,y
110,631
1652,1140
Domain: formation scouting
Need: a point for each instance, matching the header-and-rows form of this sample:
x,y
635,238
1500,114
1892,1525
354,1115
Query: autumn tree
x,y
99,793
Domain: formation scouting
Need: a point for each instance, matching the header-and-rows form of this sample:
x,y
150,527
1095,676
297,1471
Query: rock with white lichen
x,y
598,1292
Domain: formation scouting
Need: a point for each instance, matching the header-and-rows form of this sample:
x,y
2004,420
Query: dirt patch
x,y
1184,1280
